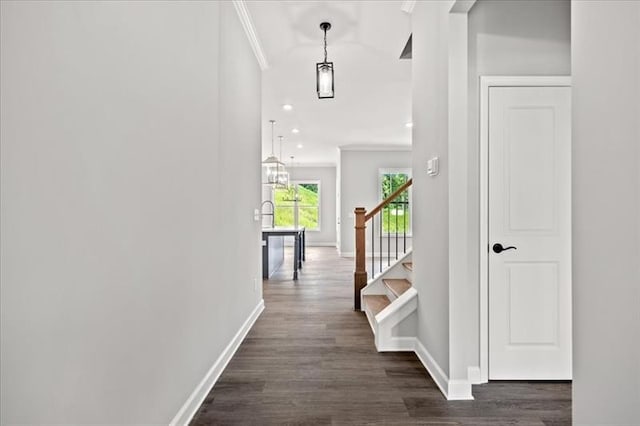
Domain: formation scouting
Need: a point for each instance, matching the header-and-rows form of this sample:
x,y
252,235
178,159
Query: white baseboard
x,y
312,244
474,376
321,244
452,389
459,390
433,368
400,344
190,407
368,256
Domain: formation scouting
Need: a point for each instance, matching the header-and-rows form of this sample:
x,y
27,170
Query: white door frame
x,y
487,82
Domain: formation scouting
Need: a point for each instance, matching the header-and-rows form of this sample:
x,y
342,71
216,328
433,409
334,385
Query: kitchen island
x,y
273,249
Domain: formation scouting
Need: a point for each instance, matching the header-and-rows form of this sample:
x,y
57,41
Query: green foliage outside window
x,y
301,200
396,216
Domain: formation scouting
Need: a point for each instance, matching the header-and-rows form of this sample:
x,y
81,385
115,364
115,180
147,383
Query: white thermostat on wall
x,y
432,166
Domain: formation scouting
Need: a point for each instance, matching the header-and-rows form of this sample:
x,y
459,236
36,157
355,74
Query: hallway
x,y
310,359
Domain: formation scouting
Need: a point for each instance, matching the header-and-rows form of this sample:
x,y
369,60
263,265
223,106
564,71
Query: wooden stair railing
x,y
361,219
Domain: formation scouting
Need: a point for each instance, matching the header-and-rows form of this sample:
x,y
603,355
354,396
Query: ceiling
x,y
372,100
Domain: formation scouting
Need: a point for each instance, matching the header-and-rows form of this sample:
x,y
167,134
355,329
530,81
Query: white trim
x,y
462,6
303,165
407,6
400,344
453,390
371,147
487,82
250,31
398,308
320,244
190,407
384,322
458,214
459,390
473,375
436,373
439,376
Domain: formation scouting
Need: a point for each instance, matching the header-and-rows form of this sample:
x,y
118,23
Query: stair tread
x,y
397,286
408,265
376,302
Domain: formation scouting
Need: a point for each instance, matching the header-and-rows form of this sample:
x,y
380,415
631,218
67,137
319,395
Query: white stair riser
x,y
390,294
383,323
372,320
400,309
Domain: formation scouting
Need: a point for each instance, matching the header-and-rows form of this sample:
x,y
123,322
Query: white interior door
x,y
530,210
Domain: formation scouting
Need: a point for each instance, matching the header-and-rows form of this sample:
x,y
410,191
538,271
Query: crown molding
x,y
312,165
250,31
373,147
462,6
408,5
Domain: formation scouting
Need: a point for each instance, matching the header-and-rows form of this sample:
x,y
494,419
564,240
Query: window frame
x,y
396,170
296,206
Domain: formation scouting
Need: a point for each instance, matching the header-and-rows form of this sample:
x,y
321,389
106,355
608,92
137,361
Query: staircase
x,y
388,299
390,305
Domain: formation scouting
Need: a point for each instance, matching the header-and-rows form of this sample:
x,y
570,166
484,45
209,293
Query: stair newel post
x,y
360,274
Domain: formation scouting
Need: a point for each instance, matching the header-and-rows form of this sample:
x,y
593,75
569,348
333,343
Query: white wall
x,y
606,212
430,194
359,185
338,202
119,285
504,38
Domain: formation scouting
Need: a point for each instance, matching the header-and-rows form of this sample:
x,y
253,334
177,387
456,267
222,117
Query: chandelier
x,y
276,175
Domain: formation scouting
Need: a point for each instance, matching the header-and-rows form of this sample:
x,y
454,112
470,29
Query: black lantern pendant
x,y
324,70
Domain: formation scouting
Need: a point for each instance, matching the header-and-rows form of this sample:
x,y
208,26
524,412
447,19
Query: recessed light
x,y
287,107
295,131
299,145
408,125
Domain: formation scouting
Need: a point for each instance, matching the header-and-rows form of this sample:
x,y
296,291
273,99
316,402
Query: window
x,y
396,216
299,205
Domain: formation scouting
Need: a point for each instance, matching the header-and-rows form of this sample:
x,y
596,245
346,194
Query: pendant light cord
x,y
325,45
272,123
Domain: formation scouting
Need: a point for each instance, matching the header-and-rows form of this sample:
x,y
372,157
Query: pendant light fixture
x,y
292,195
283,176
324,70
273,165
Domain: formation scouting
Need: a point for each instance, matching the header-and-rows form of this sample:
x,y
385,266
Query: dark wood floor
x,y
310,359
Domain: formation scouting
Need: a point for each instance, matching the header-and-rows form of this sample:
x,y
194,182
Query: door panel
x,y
530,209
530,142
533,303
